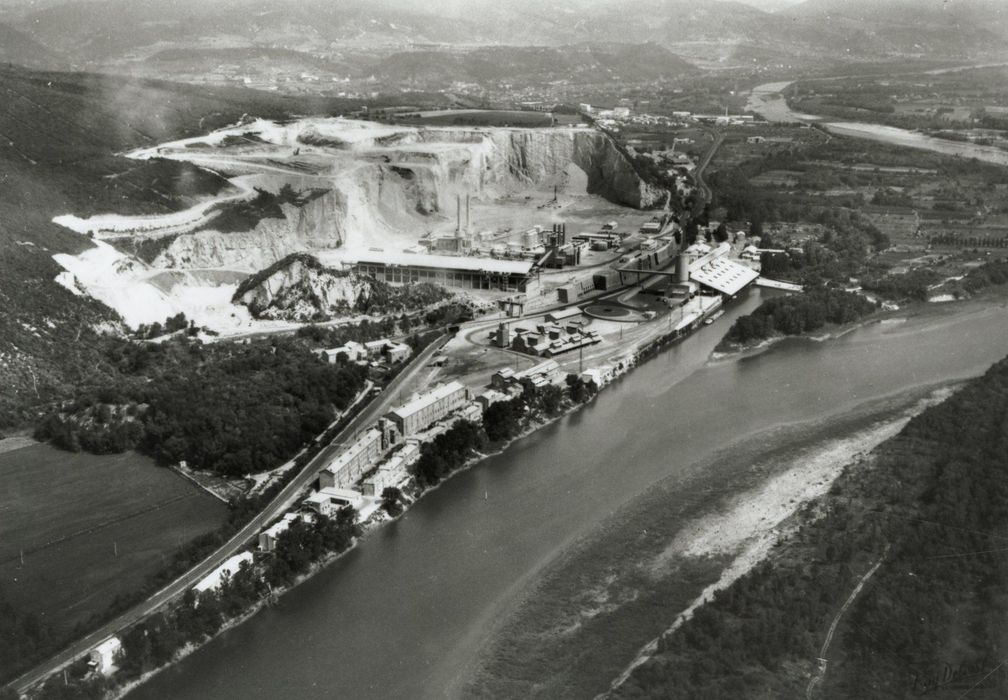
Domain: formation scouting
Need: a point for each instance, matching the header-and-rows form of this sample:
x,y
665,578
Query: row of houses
x,y
375,350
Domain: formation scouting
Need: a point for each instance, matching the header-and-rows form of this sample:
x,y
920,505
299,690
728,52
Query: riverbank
x,y
373,524
458,564
572,633
918,519
768,101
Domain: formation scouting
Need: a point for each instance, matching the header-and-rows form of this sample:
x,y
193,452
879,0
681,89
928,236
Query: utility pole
x,y
115,548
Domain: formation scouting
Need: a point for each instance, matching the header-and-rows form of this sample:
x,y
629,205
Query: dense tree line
x,y
914,284
232,408
933,506
447,452
796,314
987,275
171,325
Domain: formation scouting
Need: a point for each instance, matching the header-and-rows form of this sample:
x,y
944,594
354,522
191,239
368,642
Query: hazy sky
x,y
762,4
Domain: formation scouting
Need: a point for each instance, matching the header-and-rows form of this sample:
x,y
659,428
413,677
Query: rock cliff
x,y
318,224
300,288
380,190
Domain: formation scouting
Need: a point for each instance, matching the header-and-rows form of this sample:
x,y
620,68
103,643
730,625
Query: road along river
x,y
768,101
407,612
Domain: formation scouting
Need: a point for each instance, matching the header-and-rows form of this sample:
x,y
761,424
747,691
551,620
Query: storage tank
x,y
682,268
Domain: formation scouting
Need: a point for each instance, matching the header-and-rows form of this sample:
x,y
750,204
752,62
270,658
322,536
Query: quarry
x,y
484,204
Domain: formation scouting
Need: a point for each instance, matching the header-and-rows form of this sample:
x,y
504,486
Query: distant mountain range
x,y
375,35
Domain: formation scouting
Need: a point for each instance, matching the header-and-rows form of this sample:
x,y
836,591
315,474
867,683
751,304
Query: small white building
x,y
398,352
228,569
599,375
328,501
490,397
104,656
354,352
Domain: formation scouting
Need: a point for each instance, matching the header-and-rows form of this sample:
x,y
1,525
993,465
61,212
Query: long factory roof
x,y
724,275
451,262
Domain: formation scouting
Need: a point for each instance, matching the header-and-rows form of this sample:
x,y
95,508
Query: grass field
x,y
90,527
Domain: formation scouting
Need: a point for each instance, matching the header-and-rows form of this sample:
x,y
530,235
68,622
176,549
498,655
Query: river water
x,y
767,100
406,612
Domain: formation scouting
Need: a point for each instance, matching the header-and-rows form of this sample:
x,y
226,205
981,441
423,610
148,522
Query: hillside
x,y
58,136
351,37
17,47
929,508
966,27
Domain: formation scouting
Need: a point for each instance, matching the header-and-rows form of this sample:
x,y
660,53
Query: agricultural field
x,y
911,196
90,528
971,103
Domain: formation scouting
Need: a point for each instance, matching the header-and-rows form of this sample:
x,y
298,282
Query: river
x,y
767,100
405,613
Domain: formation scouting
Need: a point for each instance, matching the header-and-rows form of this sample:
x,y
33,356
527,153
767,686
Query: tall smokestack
x,y
458,213
467,213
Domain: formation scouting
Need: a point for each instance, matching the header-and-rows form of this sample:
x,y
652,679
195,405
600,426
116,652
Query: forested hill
x,y
59,136
932,506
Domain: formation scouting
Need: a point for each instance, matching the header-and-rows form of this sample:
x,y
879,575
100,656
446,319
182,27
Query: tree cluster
x,y
797,314
234,409
933,508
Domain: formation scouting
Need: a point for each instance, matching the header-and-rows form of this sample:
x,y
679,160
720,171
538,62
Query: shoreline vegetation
x,y
460,448
31,641
657,556
840,311
931,502
305,548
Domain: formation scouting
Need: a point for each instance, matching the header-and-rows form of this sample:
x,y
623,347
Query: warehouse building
x,y
329,501
348,467
423,410
444,270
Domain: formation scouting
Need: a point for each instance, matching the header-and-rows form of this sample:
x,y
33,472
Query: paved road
x,y
281,503
704,162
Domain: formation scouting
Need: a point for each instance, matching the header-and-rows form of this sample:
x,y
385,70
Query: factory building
x,y
328,501
715,271
422,411
393,472
544,373
350,464
444,270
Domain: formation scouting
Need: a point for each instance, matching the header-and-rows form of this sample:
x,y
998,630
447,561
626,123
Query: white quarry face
x,y
351,185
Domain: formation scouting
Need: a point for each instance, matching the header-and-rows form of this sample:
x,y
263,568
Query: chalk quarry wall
x,y
398,182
